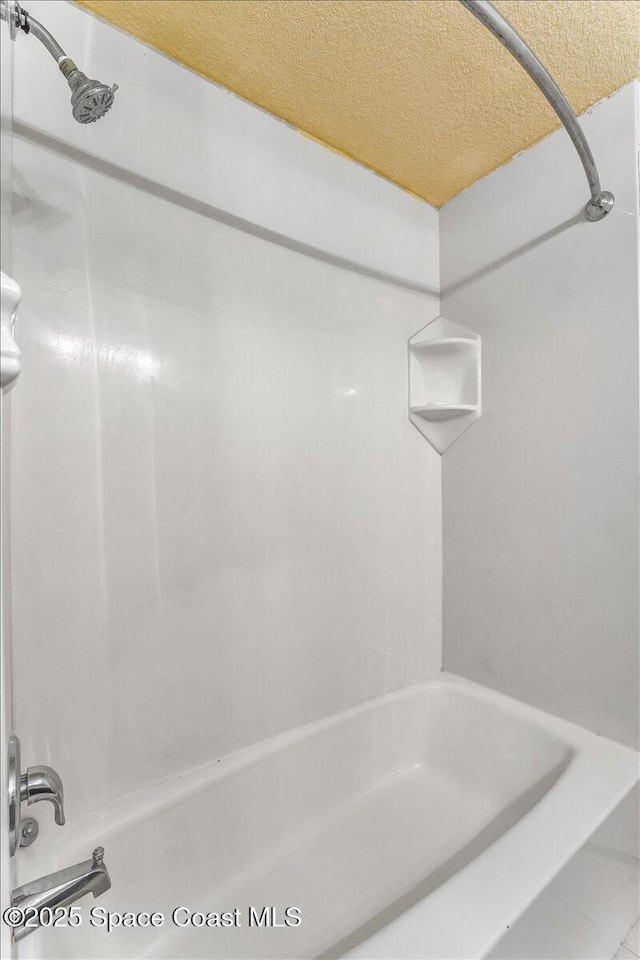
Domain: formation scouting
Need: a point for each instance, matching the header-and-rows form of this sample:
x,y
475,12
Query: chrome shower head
x,y
90,99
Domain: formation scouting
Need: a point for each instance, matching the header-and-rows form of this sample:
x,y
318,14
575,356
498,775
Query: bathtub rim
x,y
162,794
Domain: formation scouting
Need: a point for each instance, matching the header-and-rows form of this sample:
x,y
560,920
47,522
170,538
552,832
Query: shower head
x,y
90,99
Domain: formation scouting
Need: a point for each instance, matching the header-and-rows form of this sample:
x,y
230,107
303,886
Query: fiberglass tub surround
x,y
381,825
240,546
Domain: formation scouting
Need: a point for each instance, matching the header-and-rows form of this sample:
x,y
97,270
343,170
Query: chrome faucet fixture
x,y
43,783
56,889
60,890
38,783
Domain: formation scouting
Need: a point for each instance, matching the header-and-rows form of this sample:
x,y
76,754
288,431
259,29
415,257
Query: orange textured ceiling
x,y
417,90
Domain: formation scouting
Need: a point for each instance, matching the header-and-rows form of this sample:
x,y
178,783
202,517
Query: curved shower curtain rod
x,y
602,201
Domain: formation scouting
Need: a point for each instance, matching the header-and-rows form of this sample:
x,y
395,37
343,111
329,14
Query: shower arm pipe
x,y
17,17
602,201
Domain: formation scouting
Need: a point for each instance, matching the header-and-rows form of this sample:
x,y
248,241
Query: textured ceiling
x,y
417,90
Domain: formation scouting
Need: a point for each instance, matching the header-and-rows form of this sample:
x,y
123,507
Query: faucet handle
x,y
38,783
43,783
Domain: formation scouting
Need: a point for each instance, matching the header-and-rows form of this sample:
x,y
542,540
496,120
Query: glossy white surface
x,y
541,572
444,381
224,525
358,820
242,530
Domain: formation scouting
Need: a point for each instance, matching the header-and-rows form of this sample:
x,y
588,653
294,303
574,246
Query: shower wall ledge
x,y
209,145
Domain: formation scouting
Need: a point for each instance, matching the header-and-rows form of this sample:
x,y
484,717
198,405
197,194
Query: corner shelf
x,y
444,381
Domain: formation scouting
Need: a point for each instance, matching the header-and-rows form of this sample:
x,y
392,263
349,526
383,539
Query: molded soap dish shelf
x,y
444,381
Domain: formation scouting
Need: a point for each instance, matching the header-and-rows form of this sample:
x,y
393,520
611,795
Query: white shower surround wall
x,y
286,567
541,512
233,526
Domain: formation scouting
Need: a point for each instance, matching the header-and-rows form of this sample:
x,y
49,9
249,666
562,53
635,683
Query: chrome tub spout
x,y
59,890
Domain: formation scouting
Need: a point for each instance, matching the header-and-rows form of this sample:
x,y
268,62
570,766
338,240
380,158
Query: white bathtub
x,y
419,825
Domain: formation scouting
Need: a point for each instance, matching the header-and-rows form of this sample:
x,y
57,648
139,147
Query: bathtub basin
x,y
419,825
